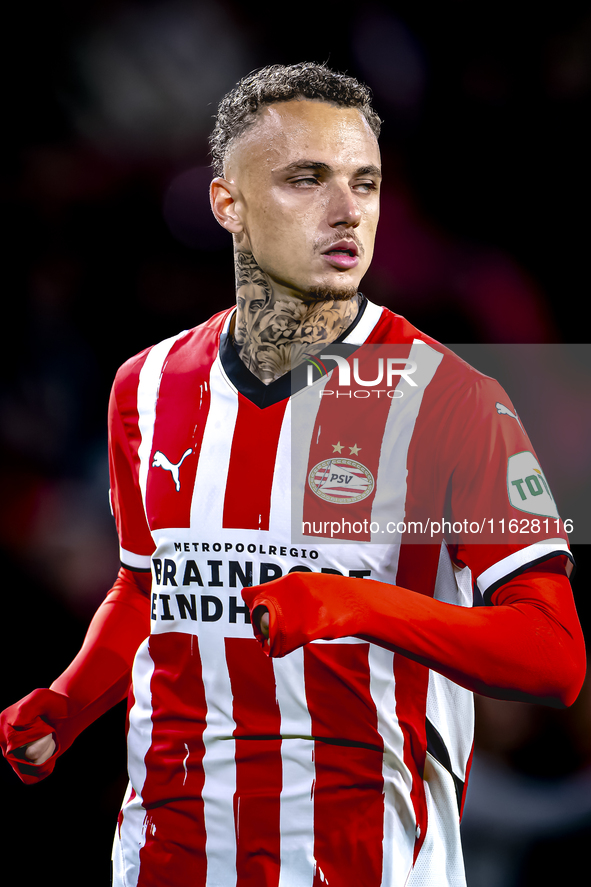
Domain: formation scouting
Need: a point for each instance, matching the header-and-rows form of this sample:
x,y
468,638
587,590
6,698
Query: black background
x,y
484,237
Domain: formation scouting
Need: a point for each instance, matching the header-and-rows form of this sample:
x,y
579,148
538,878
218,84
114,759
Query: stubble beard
x,y
331,293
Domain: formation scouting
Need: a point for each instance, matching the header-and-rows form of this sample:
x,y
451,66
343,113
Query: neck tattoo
x,y
274,331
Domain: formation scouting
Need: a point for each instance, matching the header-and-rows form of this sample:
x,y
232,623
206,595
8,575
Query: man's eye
x,y
366,186
305,180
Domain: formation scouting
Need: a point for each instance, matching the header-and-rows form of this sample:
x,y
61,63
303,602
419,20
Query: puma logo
x,y
162,461
505,411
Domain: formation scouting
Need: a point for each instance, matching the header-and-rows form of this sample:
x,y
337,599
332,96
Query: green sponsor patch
x,y
527,487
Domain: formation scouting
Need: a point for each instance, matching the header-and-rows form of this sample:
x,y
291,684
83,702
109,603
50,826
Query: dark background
x,y
109,247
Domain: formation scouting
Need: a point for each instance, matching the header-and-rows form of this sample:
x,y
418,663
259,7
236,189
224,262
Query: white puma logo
x,y
505,411
162,461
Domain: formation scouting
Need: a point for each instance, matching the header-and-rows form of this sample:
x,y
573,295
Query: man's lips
x,y
343,254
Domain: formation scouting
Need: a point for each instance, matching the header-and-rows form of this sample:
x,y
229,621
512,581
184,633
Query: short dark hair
x,y
282,83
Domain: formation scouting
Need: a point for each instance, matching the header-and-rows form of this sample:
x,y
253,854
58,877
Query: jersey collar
x,y
251,387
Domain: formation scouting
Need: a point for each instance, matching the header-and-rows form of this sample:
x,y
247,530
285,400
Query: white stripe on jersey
x,y
282,487
440,861
147,396
120,876
399,815
218,763
126,856
207,506
297,796
450,708
369,318
303,406
391,484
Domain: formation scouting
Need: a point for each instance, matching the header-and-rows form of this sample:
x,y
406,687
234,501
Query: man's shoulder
x,y
394,329
192,348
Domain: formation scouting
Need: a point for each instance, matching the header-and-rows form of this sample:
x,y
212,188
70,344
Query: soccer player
x,y
299,669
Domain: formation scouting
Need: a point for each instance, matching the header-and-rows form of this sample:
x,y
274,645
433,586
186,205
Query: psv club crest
x,y
341,480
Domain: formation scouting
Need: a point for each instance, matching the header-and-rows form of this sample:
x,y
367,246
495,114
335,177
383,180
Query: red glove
x,y
528,646
94,682
22,723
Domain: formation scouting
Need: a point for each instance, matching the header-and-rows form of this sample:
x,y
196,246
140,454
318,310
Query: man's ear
x,y
223,196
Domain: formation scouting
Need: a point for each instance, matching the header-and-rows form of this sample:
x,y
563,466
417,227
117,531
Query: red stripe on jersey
x,y
174,849
348,815
258,763
255,712
256,812
338,693
120,816
411,685
347,433
177,441
348,787
124,442
394,328
247,502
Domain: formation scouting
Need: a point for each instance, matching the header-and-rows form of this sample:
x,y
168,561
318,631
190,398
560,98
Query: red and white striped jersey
x,y
343,762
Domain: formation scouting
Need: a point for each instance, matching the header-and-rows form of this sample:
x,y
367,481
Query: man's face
x,y
307,179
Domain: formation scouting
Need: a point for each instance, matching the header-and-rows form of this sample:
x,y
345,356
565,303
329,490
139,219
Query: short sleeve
x,y
502,516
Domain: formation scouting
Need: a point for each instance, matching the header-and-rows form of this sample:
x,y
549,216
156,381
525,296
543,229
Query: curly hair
x,y
281,83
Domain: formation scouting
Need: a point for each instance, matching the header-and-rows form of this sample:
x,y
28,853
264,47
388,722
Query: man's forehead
x,y
285,132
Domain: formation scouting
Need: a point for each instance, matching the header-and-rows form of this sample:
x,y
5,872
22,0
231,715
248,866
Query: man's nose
x,y
343,208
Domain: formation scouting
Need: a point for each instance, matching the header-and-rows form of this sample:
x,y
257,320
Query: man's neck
x,y
273,331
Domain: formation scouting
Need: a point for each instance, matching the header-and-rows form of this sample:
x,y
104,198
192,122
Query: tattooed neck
x,y
273,331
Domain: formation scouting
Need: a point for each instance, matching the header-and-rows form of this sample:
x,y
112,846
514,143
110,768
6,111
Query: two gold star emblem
x,y
338,448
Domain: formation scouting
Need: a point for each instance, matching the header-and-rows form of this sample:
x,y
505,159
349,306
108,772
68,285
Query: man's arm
x,y
528,646
35,731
